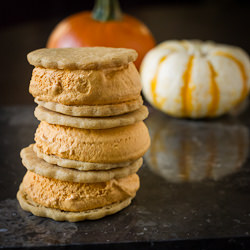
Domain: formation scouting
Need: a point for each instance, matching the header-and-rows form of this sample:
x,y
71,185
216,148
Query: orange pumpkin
x,y
104,26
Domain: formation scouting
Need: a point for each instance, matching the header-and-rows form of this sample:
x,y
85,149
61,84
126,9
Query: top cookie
x,y
87,58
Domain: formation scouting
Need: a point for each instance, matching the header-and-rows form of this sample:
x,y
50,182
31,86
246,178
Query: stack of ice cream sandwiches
x,y
91,138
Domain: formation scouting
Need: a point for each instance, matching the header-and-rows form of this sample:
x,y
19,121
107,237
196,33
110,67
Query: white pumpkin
x,y
195,79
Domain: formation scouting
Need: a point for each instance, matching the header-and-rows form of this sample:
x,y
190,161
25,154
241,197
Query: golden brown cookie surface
x,y
43,168
53,117
59,215
81,58
93,110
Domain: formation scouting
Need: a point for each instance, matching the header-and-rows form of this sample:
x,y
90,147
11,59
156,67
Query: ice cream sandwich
x,y
91,139
94,81
61,200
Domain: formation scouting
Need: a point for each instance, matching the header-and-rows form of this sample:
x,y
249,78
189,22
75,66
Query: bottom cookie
x,y
60,215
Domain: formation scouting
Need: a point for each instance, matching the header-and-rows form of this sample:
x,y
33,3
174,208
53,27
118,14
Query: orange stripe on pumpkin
x,y
157,101
244,91
214,91
186,92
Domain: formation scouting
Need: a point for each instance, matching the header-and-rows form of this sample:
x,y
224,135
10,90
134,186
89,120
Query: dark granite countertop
x,y
195,185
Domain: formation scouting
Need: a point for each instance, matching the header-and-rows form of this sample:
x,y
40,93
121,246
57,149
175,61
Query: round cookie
x,y
59,215
92,81
93,111
81,58
52,117
115,145
79,165
43,168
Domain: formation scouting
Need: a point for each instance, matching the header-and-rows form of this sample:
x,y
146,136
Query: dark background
x,y
26,25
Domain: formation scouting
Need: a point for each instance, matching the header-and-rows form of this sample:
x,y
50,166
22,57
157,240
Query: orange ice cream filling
x,y
77,197
86,87
115,145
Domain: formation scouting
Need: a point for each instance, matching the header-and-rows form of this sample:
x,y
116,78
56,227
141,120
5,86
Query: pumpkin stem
x,y
107,10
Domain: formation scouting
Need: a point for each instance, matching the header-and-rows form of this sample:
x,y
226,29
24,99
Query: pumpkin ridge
x,y
242,70
157,103
184,44
186,92
214,90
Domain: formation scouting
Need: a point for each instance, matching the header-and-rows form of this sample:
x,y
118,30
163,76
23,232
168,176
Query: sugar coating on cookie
x,y
89,58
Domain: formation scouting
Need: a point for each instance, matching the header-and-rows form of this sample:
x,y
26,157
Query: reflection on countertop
x,y
162,213
192,151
